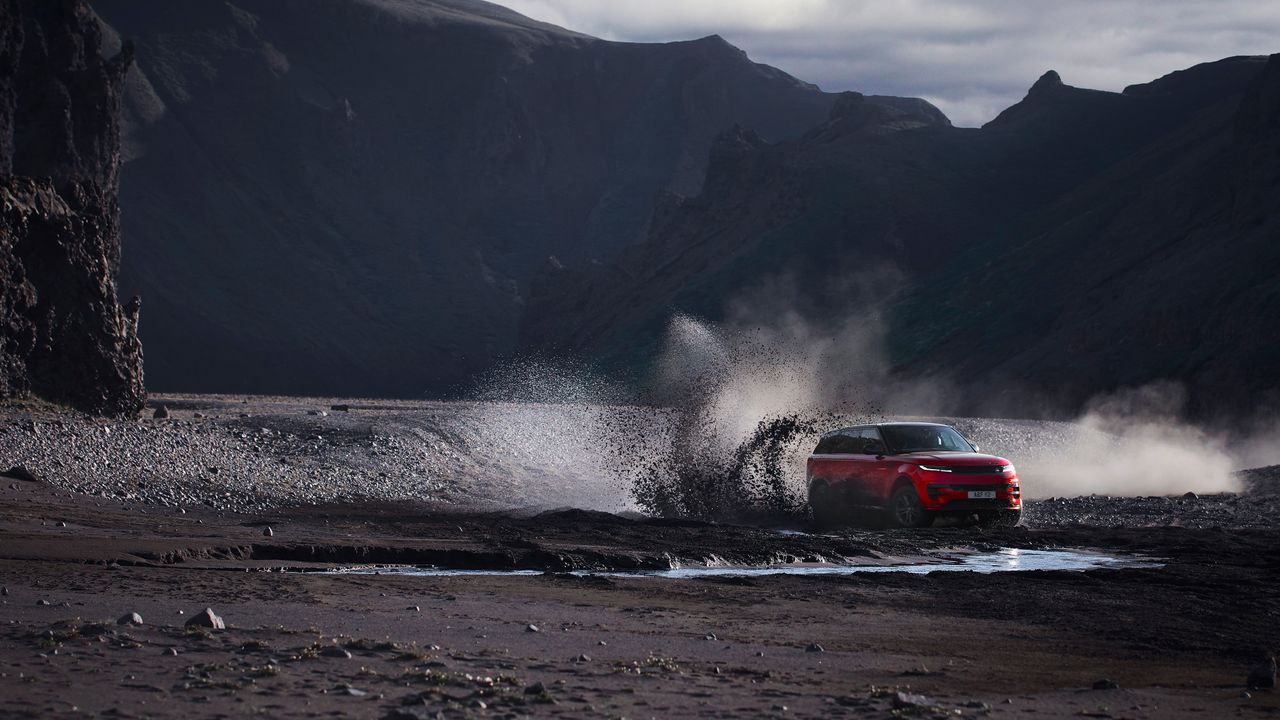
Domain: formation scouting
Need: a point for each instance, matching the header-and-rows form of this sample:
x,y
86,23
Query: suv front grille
x,y
976,469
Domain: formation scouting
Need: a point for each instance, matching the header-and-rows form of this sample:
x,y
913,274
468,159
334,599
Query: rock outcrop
x,y
64,336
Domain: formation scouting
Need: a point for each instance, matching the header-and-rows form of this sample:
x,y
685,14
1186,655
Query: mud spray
x,y
736,407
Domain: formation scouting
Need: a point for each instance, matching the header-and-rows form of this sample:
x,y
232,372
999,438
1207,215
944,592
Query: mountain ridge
x,y
964,212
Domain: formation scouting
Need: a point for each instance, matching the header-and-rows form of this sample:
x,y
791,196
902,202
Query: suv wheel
x,y
821,504
905,509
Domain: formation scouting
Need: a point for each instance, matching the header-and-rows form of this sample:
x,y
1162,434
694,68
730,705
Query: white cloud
x,y
972,58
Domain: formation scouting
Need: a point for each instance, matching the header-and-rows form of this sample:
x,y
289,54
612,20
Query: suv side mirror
x,y
977,447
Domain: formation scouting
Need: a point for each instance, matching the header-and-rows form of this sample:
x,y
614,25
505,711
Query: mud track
x,y
1178,640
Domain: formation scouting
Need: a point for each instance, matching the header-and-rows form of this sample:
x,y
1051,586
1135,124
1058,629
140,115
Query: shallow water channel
x,y
1002,560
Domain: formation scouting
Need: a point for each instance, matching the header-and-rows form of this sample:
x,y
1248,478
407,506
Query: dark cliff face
x,y
1080,242
63,334
351,196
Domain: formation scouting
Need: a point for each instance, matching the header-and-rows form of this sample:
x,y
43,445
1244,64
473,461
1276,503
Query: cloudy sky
x,y
972,58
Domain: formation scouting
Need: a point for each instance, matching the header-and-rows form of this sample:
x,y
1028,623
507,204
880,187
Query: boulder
x,y
206,619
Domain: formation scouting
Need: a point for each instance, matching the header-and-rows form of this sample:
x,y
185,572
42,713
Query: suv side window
x,y
845,442
869,441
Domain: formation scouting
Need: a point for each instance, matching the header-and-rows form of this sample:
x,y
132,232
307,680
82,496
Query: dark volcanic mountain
x,y
350,196
63,334
1081,241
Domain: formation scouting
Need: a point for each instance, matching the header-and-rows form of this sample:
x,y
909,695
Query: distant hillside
x,y
350,196
1081,241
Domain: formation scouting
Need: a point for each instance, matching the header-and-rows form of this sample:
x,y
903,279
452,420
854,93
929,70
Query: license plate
x,y
982,494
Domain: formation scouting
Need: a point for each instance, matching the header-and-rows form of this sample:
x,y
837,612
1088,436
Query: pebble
x,y
531,628
132,618
160,413
814,647
583,658
42,601
268,532
170,651
352,692
4,590
334,651
206,619
535,689
904,700
1106,684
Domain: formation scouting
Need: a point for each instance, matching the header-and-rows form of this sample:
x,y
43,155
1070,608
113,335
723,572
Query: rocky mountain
x,y
351,196
1081,241
63,334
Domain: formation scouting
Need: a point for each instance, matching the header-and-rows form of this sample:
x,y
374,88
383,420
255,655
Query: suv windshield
x,y
924,438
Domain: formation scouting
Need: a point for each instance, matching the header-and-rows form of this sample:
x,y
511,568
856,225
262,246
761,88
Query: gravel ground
x,y
254,453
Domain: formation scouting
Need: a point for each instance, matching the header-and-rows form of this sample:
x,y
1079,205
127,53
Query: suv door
x,y
880,470
834,462
855,474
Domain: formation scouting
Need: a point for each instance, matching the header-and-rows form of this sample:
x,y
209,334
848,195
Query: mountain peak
x,y
1048,81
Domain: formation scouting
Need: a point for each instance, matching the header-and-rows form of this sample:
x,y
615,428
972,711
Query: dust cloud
x,y
722,428
1134,442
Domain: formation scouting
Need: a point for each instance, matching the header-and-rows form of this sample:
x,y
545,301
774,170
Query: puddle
x,y
1003,560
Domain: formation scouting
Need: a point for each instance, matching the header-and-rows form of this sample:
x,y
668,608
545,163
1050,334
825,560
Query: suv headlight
x,y
936,468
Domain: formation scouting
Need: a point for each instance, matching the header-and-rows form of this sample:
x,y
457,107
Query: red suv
x,y
909,473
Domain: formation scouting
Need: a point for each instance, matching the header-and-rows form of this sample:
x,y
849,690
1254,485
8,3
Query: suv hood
x,y
952,458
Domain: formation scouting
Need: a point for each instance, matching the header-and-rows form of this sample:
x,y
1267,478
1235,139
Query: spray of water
x,y
734,408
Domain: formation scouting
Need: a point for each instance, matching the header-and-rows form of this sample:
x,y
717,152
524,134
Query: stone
x,y
334,651
1105,684
161,413
19,472
170,651
340,408
42,602
814,647
4,591
905,700
351,692
583,658
268,532
535,689
207,619
531,628
132,618
1190,496
318,413
1264,675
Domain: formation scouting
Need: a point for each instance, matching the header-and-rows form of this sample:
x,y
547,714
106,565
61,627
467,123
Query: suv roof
x,y
879,425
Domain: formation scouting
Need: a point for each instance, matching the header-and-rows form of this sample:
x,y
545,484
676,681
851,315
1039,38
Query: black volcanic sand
x,y
1179,640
